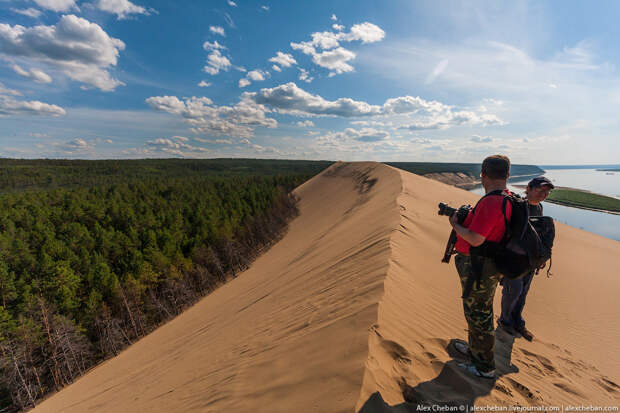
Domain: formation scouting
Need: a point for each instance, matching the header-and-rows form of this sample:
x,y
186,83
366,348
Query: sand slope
x,y
353,307
573,360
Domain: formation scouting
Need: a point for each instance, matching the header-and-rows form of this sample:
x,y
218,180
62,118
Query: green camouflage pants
x,y
478,308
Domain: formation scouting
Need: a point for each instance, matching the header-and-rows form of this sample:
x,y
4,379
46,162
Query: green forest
x,y
96,254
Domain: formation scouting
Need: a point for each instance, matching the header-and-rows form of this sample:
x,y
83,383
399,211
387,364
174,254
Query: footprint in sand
x,y
568,388
607,384
524,391
503,389
391,350
396,351
547,364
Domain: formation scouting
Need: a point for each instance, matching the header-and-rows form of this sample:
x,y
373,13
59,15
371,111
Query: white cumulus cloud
x,y
333,56
409,104
216,62
305,76
256,75
217,30
205,118
77,143
82,50
219,141
367,134
365,140
30,12
6,91
37,75
57,5
204,83
366,32
208,46
449,119
283,59
481,139
289,98
335,60
177,145
9,106
420,114
122,8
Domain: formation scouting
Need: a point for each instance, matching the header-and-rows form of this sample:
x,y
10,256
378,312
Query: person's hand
x,y
453,220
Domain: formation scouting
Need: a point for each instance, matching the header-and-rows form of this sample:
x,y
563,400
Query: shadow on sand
x,y
452,387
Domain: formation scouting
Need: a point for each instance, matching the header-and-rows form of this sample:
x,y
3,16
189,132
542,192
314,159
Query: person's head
x,y
538,189
495,171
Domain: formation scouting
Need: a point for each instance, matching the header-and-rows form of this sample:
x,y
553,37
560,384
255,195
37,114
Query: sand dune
x,y
353,310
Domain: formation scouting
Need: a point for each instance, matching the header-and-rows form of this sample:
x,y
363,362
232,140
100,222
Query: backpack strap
x,y
485,250
496,192
507,226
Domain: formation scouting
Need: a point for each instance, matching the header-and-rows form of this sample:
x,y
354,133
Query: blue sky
x,y
349,80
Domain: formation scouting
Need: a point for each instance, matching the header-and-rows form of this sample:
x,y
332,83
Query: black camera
x,y
461,215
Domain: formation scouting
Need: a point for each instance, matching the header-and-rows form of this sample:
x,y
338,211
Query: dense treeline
x,y
86,271
20,174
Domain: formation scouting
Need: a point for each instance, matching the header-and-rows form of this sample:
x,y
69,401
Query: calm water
x,y
606,183
607,225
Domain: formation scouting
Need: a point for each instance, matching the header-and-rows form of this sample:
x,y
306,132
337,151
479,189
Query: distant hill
x,y
471,169
461,175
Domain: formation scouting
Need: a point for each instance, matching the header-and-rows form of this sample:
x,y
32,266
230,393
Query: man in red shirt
x,y
482,227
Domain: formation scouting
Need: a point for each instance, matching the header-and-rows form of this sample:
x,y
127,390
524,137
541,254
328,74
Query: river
x,y
607,225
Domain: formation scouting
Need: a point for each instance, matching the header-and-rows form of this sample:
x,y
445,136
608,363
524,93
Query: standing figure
x,y
479,275
515,291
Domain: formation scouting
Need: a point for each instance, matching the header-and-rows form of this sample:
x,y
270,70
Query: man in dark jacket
x,y
515,291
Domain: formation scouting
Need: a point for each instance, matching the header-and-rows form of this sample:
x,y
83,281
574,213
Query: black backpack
x,y
525,247
527,243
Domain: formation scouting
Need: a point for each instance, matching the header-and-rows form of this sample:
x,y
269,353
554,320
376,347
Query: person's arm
x,y
473,238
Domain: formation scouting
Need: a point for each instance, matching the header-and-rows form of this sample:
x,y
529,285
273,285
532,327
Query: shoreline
x,y
582,207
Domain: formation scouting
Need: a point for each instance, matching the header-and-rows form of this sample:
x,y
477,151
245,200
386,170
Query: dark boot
x,y
525,333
